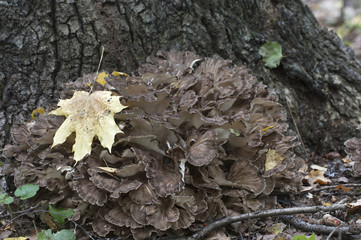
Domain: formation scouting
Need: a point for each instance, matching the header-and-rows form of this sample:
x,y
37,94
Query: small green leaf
x,y
271,54
234,132
312,237
26,191
60,214
299,237
45,235
65,234
5,199
303,237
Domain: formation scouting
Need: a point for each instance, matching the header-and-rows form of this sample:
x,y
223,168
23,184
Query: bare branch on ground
x,y
201,234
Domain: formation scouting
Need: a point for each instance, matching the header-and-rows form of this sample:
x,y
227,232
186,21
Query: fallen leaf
x,y
317,176
276,228
272,159
115,73
37,112
108,169
234,132
355,204
343,180
100,78
303,237
317,167
355,208
88,115
343,188
346,160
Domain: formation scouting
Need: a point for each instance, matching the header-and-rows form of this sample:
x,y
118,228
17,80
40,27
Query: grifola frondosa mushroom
x,y
353,149
199,143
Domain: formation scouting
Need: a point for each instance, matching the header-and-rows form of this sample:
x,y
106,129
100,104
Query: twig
x,y
317,228
13,213
201,234
322,228
333,232
333,187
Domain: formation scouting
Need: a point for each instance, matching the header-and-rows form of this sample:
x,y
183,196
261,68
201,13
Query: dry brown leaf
x,y
317,176
342,188
88,115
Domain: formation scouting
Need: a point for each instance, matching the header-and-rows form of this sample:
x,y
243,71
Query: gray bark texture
x,y
44,44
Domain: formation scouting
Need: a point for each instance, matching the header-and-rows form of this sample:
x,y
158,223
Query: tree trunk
x,y
44,44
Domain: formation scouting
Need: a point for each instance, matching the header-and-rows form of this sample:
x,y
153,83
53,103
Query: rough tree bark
x,y
44,44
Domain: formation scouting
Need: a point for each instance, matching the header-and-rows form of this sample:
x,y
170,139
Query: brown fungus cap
x,y
197,143
353,149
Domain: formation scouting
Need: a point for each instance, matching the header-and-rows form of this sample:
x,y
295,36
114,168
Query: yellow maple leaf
x,y
88,115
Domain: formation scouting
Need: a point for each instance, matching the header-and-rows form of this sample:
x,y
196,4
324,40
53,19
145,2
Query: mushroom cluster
x,y
202,140
353,150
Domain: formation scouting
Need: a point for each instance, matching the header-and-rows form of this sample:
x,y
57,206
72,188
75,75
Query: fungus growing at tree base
x,y
200,142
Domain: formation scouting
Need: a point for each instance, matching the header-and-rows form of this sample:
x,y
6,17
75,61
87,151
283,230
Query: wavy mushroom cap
x,y
201,138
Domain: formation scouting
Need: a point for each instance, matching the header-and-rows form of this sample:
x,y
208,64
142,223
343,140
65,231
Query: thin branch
x,y
333,187
316,228
201,234
353,232
333,232
17,212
